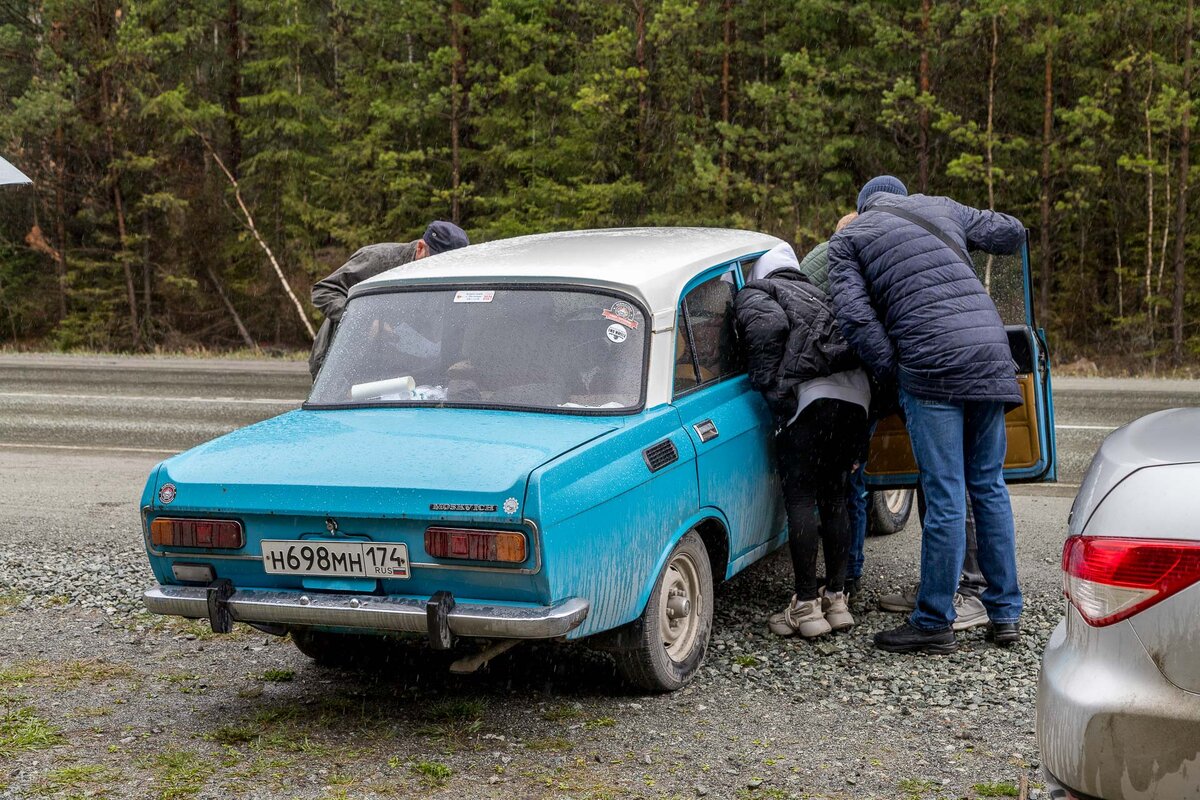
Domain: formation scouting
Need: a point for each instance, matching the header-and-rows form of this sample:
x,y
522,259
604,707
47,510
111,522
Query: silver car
x,y
1118,709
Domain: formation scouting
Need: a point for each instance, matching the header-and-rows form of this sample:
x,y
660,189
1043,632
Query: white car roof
x,y
652,264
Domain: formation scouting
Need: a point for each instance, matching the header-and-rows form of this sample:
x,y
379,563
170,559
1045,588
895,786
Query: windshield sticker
x,y
621,312
475,296
616,334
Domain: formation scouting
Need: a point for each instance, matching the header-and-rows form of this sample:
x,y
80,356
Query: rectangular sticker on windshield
x,y
474,296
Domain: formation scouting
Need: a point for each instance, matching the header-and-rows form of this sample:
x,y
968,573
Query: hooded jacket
x,y
329,294
788,332
913,310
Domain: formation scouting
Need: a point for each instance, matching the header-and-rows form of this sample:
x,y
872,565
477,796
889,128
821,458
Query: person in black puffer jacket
x,y
909,302
814,384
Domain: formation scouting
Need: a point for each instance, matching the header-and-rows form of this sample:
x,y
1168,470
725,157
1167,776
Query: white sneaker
x,y
969,613
837,612
806,619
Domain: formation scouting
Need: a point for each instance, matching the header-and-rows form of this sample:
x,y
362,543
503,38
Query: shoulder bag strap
x,y
917,219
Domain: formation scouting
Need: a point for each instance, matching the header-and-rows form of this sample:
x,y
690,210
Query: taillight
x,y
175,532
475,545
1111,579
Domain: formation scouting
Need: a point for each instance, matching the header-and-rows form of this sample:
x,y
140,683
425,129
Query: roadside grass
x,y
997,789
277,675
556,744
745,661
297,728
262,768
22,730
9,601
453,719
600,722
182,626
561,714
185,682
179,774
432,773
96,779
64,674
916,788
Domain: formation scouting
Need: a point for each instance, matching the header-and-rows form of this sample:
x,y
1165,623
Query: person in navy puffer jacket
x,y
917,314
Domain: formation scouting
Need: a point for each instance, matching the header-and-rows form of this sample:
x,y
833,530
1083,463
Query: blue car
x,y
546,437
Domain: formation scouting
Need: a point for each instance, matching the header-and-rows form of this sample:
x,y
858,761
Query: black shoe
x,y
850,587
1004,634
907,639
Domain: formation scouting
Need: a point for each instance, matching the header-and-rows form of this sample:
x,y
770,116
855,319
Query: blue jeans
x,y
856,507
960,450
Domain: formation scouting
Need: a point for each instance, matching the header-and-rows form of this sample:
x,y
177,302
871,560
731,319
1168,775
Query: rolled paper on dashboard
x,y
397,387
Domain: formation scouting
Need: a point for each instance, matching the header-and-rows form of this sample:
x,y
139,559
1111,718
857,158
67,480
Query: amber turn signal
x,y
475,545
174,532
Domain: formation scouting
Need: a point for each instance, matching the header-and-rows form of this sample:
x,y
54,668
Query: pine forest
x,y
198,164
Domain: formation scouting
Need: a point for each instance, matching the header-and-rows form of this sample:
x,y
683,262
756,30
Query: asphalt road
x,y
162,406
155,708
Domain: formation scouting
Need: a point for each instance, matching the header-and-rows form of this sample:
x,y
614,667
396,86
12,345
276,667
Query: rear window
x,y
544,349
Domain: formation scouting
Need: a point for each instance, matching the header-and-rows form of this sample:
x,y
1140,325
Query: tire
x,y
667,646
888,511
346,650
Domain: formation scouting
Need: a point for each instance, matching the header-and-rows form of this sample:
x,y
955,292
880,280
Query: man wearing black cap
x,y
329,294
908,300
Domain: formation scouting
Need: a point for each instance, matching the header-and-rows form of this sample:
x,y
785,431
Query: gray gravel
x,y
146,707
766,717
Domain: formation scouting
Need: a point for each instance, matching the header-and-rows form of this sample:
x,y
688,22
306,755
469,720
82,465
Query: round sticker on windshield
x,y
616,333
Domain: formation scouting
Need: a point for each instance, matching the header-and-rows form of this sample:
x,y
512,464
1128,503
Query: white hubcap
x,y
680,602
895,499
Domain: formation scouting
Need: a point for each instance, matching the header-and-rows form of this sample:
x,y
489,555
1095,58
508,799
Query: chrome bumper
x,y
373,613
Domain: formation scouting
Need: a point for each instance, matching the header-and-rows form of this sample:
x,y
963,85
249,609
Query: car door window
x,y
705,345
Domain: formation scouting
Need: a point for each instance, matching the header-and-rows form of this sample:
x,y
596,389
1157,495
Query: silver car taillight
x,y
1111,579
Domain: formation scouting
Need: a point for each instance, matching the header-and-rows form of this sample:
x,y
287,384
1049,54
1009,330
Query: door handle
x,y
706,430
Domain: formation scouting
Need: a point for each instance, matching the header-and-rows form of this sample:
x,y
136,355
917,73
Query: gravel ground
x,y
97,697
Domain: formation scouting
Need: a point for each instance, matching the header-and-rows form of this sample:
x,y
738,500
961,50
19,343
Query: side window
x,y
705,345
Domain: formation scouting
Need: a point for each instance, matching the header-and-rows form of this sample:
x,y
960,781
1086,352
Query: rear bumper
x,y
1109,725
387,614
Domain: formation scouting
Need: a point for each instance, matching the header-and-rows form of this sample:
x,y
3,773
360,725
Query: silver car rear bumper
x,y
1109,724
388,614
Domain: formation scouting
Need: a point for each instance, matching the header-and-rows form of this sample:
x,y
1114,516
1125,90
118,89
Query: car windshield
x,y
548,349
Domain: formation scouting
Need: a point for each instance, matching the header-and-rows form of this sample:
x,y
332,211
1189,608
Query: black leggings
x,y
816,454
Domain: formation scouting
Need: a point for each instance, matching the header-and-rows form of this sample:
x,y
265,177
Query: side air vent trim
x,y
660,454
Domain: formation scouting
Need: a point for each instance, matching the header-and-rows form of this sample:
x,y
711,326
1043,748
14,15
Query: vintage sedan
x,y
543,437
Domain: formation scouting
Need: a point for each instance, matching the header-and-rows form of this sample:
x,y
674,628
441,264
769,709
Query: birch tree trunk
x,y
991,114
923,110
1047,132
456,106
1181,195
248,221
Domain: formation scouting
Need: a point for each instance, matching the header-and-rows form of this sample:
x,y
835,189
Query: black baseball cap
x,y
441,236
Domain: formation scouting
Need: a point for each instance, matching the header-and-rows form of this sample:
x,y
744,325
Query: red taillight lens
x,y
174,532
475,545
1111,579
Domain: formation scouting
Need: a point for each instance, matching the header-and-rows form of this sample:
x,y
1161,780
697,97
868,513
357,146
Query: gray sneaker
x,y
901,602
969,610
970,613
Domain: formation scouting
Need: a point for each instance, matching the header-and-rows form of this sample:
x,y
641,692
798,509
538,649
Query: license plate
x,y
339,559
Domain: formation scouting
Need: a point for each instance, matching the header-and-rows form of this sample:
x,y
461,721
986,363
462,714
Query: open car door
x,y
1030,428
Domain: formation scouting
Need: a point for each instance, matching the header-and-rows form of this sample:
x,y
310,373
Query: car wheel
x,y
671,636
335,649
888,511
